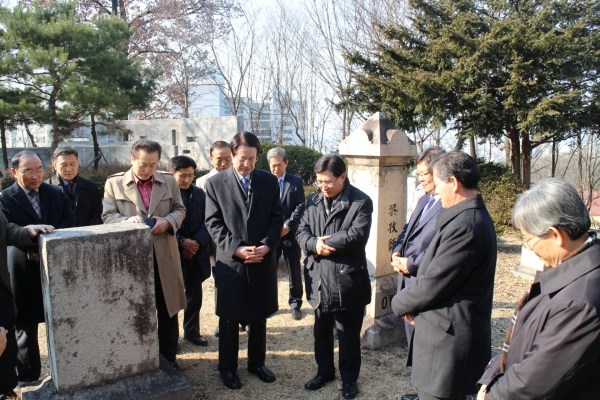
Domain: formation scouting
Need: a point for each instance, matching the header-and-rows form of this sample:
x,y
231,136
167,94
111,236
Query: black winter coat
x,y
555,349
244,291
451,300
339,281
86,201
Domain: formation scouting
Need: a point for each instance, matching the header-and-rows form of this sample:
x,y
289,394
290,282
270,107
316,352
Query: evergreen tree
x,y
525,70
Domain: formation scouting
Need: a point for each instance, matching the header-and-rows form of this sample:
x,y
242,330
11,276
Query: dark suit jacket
x,y
25,277
86,202
292,201
452,302
416,236
193,227
10,234
244,291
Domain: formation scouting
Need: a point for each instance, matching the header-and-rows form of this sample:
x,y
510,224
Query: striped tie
x,y
35,202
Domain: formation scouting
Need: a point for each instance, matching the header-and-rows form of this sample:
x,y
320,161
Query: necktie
x,y
245,185
70,188
280,187
427,207
35,202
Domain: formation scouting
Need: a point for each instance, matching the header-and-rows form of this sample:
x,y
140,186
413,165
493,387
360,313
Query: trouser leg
x,y
168,329
29,364
323,333
257,343
193,298
8,359
292,259
229,345
426,396
349,324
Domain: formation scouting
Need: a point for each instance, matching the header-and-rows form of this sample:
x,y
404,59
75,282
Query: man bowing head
x,y
244,217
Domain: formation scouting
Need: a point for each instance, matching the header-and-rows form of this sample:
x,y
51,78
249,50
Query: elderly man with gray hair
x,y
291,193
553,349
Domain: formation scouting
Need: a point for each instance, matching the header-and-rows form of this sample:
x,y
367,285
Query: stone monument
x,y
377,155
530,264
98,286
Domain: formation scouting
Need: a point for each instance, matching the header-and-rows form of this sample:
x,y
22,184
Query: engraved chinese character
x,y
392,227
391,244
393,210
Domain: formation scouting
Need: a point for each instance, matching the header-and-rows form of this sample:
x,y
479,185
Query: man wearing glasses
x,y
333,233
27,202
244,217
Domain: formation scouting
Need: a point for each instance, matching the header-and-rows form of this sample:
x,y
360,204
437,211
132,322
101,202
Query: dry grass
x,y
290,350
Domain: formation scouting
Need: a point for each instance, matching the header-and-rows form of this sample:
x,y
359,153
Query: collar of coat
x,y
448,214
554,279
342,203
130,180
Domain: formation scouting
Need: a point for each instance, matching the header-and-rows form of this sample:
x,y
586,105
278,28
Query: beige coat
x,y
122,200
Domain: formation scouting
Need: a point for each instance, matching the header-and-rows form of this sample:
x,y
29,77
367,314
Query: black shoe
x,y
296,314
410,397
9,395
176,366
245,327
198,341
318,382
263,374
231,380
217,332
350,390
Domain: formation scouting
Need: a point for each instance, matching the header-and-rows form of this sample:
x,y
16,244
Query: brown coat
x,y
122,200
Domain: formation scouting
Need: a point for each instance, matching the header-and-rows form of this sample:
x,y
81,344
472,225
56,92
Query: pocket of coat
x,y
350,287
437,319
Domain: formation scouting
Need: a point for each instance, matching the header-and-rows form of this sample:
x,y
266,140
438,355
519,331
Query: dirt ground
x,y
290,349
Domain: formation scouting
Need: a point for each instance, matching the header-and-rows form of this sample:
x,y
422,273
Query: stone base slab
x,y
379,332
383,290
524,272
163,384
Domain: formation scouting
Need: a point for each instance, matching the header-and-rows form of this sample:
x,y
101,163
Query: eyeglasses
x,y
326,184
422,175
30,172
525,242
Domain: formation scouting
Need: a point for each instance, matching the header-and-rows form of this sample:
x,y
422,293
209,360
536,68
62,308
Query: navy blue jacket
x,y
25,277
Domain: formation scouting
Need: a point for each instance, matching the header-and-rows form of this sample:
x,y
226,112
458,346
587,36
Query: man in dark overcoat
x,y
11,235
194,250
292,201
83,194
29,201
333,233
450,302
244,217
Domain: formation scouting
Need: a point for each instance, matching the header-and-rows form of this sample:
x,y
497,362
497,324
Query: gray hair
x,y
277,152
64,151
551,203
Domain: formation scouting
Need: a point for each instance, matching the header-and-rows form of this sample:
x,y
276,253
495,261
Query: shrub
x,y
301,160
499,188
308,190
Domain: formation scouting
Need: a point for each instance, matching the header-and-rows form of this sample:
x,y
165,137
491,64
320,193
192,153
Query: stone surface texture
x,y
98,285
377,155
162,384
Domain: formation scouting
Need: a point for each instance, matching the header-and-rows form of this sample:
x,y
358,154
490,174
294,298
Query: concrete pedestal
x,y
98,286
163,384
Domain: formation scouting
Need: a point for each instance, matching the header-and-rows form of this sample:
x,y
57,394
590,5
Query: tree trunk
x,y
115,7
53,118
3,142
30,136
460,143
553,165
579,163
473,147
95,141
515,150
526,151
